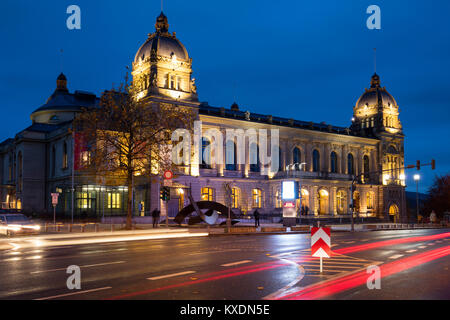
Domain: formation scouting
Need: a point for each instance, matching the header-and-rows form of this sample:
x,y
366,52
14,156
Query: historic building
x,y
324,158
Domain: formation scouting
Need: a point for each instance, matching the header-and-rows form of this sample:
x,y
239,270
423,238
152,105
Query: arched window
x,y
333,162
231,156
341,198
280,160
278,200
256,198
65,159
370,200
235,197
366,167
207,194
206,154
296,155
254,158
316,161
350,164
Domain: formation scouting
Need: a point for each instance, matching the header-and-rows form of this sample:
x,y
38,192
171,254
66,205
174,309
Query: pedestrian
x,y
419,218
256,215
155,215
433,217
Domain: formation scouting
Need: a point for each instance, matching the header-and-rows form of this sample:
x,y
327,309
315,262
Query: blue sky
x,y
308,60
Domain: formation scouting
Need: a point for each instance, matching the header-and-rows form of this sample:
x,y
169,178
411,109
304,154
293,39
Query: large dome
x,y
375,95
162,42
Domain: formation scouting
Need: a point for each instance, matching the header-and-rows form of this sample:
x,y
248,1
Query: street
x,y
414,265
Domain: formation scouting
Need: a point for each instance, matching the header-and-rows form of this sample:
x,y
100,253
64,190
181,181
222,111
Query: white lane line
x,y
422,247
73,293
411,251
235,263
171,275
86,266
430,244
396,256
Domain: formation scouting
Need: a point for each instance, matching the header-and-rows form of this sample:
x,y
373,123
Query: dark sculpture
x,y
212,207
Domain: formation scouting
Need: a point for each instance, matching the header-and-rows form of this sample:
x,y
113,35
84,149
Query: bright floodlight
x,y
416,177
402,176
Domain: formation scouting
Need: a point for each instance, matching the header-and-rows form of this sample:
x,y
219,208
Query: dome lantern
x,y
162,24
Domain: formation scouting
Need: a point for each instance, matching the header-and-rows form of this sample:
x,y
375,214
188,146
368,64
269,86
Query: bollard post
x,y
70,227
46,227
96,227
82,228
58,228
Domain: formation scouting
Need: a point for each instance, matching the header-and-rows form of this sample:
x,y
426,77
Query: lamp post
x,y
416,179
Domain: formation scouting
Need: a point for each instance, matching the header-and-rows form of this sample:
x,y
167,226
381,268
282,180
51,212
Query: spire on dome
x,y
61,83
375,81
162,24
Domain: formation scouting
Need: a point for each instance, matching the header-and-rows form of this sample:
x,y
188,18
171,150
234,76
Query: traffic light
x,y
418,164
165,193
433,164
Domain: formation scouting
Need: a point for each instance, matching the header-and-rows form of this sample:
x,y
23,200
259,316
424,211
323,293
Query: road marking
x,y
396,256
86,266
73,293
171,275
430,244
422,247
235,263
411,251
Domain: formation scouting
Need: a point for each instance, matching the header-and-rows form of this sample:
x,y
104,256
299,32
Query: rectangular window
x,y
172,82
207,194
113,200
85,158
235,198
256,198
84,200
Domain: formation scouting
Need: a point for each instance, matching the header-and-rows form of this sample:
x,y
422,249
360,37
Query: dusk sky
x,y
307,60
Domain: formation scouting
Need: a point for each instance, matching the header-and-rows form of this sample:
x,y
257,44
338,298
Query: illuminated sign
x,y
289,190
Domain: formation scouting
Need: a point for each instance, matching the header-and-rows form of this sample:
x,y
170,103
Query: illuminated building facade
x,y
39,159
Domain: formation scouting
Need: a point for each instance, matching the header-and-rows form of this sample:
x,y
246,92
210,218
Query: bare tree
x,y
130,137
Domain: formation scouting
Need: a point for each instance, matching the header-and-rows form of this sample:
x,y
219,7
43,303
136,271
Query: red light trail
x,y
334,286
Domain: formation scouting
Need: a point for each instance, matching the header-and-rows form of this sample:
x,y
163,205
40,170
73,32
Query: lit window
x,y
85,158
256,198
84,200
278,201
235,195
65,162
207,194
113,200
341,201
370,200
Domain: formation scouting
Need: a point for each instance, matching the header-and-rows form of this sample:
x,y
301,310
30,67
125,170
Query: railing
x,y
58,227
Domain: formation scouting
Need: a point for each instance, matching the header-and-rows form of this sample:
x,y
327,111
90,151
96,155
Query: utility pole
x,y
73,171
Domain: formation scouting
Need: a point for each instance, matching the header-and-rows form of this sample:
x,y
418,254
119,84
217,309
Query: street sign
x,y
320,243
168,175
55,198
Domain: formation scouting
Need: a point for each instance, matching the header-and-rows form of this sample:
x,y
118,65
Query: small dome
x,y
375,95
163,43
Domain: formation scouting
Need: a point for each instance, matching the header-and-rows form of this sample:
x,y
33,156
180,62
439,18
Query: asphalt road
x,y
413,264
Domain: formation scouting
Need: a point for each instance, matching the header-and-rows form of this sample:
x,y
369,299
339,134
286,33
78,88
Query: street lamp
x,y
416,179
